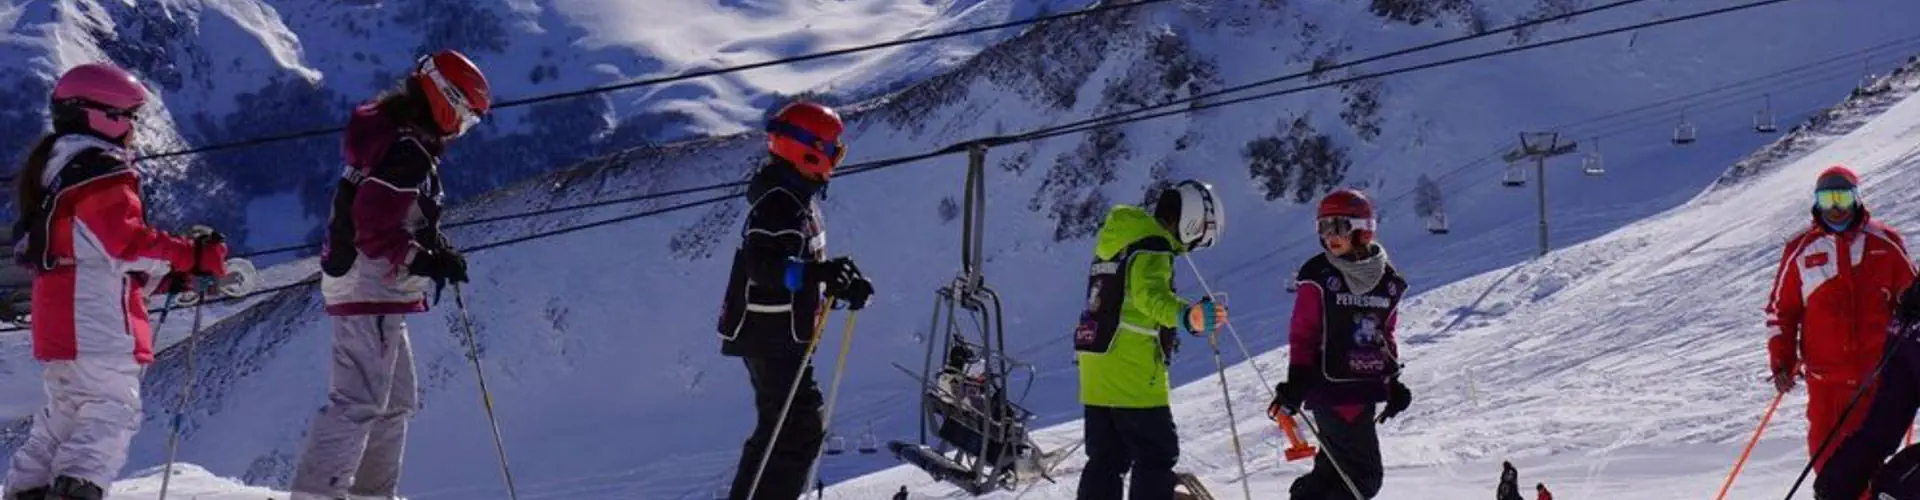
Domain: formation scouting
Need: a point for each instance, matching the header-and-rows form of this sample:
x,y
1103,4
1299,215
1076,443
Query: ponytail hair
x,y
28,192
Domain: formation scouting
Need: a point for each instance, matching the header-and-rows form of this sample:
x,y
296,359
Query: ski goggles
x,y
1344,225
1832,199
833,149
462,109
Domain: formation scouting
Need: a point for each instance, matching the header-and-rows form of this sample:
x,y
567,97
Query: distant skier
x,y
83,236
1832,300
1126,339
1852,466
774,292
1509,488
1344,356
383,250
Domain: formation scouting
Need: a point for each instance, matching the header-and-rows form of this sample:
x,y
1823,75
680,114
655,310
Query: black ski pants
x,y
800,437
1356,444
1122,440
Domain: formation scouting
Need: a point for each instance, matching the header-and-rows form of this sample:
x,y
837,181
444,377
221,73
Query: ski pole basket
x,y
974,433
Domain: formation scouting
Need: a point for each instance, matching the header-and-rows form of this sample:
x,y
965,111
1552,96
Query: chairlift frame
x,y
979,442
1437,223
1516,176
1593,163
1685,133
1764,121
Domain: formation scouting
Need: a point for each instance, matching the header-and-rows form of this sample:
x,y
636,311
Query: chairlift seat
x,y
1515,177
1684,134
1437,224
1593,164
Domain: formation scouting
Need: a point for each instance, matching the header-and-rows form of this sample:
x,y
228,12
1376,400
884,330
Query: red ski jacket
x,y
104,258
1832,299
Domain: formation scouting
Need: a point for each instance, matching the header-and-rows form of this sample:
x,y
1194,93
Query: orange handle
x,y
1297,447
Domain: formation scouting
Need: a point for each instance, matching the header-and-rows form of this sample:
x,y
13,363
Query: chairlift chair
x,y
1684,134
974,431
1437,223
836,445
1592,163
1516,176
869,444
1763,121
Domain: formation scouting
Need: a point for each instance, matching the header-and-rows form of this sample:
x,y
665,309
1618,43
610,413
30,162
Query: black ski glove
x,y
1398,397
1289,395
1907,311
843,281
443,266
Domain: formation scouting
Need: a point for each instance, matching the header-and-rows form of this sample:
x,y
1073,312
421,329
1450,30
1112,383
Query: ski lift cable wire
x,y
1004,140
510,103
1050,131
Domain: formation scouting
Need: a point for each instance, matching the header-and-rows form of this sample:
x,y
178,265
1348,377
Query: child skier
x,y
774,292
383,249
1344,357
1125,340
82,234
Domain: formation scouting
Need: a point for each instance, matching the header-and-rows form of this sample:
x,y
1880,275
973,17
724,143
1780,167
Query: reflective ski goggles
x,y
833,149
1344,225
462,109
1832,199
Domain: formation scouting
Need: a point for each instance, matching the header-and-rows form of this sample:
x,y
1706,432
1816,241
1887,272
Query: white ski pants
x,y
354,446
92,412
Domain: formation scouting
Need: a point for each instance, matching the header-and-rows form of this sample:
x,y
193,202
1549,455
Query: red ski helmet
x,y
99,96
1836,199
807,135
1347,211
456,91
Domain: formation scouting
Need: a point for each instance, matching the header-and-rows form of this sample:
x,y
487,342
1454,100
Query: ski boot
x,y
73,488
36,493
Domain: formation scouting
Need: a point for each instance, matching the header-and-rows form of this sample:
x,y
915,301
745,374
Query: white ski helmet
x,y
1200,218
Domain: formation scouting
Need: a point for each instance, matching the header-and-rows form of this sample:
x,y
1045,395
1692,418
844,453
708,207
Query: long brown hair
x,y
403,104
28,193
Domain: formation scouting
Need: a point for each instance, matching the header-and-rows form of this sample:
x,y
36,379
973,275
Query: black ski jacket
x,y
760,315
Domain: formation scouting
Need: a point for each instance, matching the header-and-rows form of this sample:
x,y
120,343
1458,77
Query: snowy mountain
x,y
231,70
597,343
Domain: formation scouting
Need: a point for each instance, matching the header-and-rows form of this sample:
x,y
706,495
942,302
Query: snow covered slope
x,y
597,343
230,70
1631,364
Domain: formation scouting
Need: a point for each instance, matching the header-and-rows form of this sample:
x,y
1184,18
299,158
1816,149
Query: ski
x,y
1195,490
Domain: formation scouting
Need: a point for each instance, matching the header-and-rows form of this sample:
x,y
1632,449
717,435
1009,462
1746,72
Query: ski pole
x,y
186,392
806,360
486,398
1270,394
833,391
1737,464
1857,393
1226,395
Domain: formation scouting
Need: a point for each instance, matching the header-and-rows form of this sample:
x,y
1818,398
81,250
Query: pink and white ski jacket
x,y
104,257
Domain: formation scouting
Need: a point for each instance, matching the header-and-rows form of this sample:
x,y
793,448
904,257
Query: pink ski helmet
x,y
105,95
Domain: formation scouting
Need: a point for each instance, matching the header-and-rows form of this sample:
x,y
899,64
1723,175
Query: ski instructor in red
x,y
1832,299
